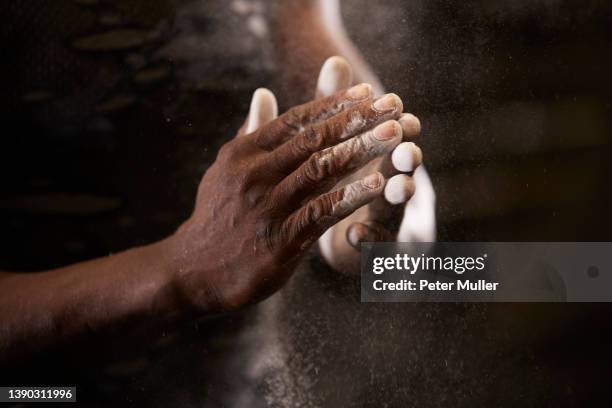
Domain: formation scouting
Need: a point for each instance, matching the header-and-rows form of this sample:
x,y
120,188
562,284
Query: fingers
x,y
263,110
411,126
406,157
407,154
336,74
297,118
399,189
388,211
325,168
334,130
308,223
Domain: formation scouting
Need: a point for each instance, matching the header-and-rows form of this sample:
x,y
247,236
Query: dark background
x,y
103,146
515,101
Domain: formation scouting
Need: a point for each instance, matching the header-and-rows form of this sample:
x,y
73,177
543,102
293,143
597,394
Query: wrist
x,y
189,272
160,260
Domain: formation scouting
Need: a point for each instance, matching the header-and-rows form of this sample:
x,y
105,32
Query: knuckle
x,y
264,231
359,146
261,136
255,194
319,166
335,129
318,209
292,118
227,150
312,139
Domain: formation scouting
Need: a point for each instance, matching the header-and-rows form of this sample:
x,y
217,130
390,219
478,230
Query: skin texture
x,y
316,32
381,219
268,196
244,249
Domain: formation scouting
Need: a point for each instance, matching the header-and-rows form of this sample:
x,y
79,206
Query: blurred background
x,y
515,101
112,110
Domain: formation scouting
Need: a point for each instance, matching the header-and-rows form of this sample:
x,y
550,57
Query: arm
x,y
38,310
259,207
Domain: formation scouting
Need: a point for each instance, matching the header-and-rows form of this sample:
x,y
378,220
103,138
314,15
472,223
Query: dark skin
x,y
259,207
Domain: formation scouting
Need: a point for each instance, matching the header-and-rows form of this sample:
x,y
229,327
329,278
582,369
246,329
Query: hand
x,y
268,196
381,219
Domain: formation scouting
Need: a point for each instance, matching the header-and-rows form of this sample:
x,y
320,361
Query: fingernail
x,y
372,181
387,131
389,102
360,91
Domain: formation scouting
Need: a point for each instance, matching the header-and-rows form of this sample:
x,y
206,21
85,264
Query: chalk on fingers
x,y
407,157
264,109
399,189
336,74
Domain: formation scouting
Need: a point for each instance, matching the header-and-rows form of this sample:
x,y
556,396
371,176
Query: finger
x,y
308,223
387,210
419,224
263,110
359,232
343,126
399,189
297,118
325,168
407,156
336,74
411,126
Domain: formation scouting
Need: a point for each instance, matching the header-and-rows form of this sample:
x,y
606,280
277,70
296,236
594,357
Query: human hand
x,y
268,196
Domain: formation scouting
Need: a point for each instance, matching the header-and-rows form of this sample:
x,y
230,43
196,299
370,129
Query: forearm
x,y
38,310
313,31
